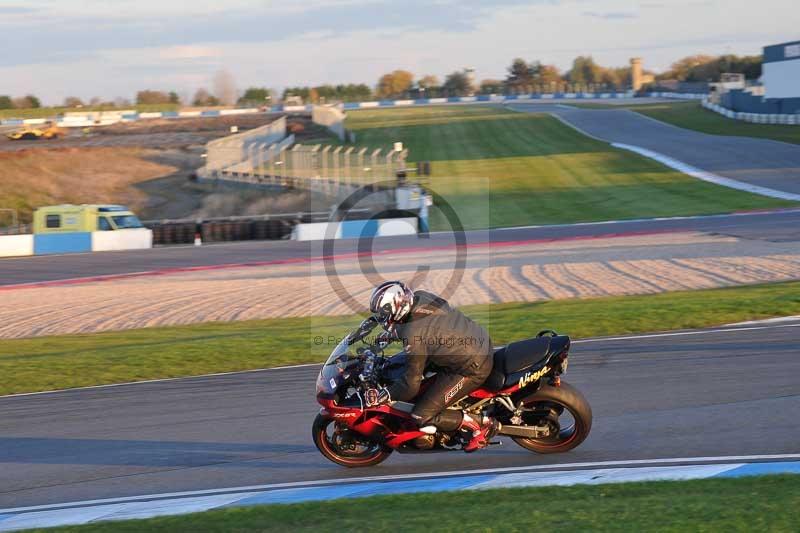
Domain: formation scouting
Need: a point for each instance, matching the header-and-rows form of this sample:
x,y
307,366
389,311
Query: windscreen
x,y
127,222
332,371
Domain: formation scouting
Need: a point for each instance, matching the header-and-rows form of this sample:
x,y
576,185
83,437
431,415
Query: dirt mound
x,y
32,178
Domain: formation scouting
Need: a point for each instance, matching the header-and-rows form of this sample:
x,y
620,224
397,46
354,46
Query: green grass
x,y
48,112
691,115
765,503
501,168
45,363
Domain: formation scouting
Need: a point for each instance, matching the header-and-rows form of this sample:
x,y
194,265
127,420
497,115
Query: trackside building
x,y
780,78
781,73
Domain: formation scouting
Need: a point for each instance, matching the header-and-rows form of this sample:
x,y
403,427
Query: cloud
x,y
240,24
189,52
115,48
613,15
16,10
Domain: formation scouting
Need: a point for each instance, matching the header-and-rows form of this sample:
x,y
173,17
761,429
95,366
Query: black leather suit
x,y
438,336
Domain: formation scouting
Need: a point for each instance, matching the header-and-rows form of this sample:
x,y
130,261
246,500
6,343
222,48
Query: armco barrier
x,y
354,229
129,239
16,245
755,118
679,96
357,105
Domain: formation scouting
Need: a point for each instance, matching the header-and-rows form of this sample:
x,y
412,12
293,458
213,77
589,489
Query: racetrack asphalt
x,y
761,162
775,226
730,391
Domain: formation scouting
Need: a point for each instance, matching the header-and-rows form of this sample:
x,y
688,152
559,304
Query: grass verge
x,y
692,116
502,168
766,503
46,363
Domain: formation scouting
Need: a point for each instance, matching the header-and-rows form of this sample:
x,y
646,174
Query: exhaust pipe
x,y
528,432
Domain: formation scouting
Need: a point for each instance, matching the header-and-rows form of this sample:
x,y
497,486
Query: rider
x,y
435,333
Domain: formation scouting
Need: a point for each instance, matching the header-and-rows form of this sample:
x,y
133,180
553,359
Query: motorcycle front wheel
x,y
345,447
567,413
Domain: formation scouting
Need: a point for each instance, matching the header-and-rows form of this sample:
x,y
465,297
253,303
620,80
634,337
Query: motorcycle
x,y
524,393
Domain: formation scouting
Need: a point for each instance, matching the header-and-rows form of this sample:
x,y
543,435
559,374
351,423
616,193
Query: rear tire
x,y
559,398
376,454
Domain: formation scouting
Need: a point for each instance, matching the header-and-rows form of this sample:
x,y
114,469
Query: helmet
x,y
391,302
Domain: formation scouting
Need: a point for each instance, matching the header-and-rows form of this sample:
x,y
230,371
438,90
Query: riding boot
x,y
481,433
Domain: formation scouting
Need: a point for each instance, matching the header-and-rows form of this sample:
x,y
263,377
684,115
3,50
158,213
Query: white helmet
x,y
391,302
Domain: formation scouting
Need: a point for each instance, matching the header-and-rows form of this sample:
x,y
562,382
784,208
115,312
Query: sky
x,y
112,48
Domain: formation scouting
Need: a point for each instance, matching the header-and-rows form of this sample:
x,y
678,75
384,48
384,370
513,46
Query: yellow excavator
x,y
50,131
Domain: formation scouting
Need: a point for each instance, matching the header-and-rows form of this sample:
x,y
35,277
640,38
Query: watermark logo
x,y
377,198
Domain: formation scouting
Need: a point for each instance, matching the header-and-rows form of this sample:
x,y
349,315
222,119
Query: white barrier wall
x,y
332,118
16,245
316,231
354,229
126,239
398,226
227,151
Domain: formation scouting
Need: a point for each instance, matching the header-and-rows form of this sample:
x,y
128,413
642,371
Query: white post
x,y
272,158
348,178
297,169
336,162
315,161
324,170
389,167
283,162
361,170
374,161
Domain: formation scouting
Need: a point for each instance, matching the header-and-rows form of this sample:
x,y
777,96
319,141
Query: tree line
x,y
522,76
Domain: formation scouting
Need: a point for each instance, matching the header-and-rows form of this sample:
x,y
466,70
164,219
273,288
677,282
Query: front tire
x,y
557,400
365,453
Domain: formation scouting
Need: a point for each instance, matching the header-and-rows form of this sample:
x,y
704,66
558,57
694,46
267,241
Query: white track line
x,y
777,320
685,333
704,175
680,166
653,219
160,380
579,341
325,482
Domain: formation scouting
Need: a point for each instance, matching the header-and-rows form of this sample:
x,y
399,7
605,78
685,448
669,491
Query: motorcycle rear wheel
x,y
558,399
372,455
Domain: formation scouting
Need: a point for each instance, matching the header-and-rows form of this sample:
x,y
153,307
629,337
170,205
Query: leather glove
x,y
373,397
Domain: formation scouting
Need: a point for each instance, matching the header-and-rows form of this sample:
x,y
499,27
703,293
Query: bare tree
x,y
152,97
203,98
73,101
225,87
428,81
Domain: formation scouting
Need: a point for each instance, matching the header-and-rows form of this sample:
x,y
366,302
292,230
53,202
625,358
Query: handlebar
x,y
372,366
